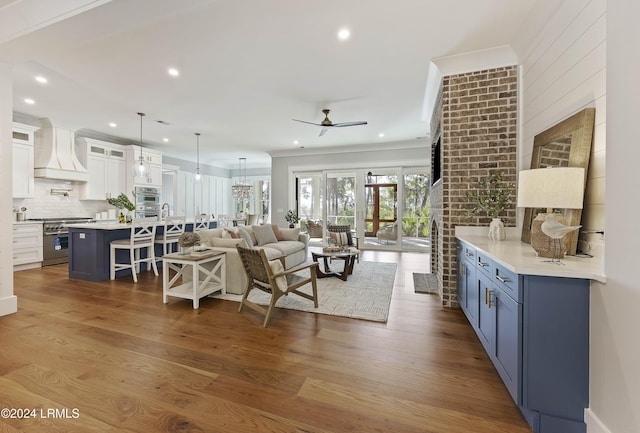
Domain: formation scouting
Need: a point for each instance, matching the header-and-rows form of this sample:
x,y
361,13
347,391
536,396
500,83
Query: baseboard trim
x,y
8,305
594,425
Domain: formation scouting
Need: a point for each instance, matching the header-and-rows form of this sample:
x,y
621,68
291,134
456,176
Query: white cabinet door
x,y
116,177
96,187
23,182
23,160
106,164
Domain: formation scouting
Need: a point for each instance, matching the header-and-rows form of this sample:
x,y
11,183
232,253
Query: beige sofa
x,y
289,243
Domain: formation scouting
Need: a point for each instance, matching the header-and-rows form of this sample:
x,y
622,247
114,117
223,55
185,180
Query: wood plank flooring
x,y
111,357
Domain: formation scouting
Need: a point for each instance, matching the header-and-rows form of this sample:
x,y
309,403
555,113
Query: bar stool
x,y
201,222
173,228
143,232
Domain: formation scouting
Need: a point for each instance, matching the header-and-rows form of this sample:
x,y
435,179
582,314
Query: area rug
x,y
425,283
365,295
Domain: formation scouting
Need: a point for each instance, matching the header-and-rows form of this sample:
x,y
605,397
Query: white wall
x,y
8,301
563,68
615,307
584,54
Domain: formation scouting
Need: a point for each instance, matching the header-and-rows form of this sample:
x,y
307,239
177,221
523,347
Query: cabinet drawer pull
x,y
483,264
468,254
502,280
487,297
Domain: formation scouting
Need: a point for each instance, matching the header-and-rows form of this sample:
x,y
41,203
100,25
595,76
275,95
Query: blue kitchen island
x,y
89,248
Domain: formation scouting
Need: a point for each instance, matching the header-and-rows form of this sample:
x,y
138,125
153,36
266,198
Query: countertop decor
x,y
492,196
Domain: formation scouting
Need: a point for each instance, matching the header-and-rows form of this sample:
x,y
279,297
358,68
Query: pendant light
x,y
197,156
242,190
141,164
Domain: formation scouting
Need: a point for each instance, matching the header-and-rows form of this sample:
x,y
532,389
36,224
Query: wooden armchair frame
x,y
260,276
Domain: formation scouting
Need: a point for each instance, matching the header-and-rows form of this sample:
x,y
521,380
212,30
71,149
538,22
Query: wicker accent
x,y
260,276
314,228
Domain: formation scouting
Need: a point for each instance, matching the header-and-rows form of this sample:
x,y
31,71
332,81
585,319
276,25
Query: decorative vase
x,y
496,230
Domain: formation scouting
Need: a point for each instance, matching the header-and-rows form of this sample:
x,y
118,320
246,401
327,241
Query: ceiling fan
x,y
326,123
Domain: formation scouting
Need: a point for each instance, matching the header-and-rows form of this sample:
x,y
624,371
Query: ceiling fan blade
x,y
304,121
356,123
323,131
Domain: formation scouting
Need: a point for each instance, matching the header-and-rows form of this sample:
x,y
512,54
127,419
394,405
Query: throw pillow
x,y
340,238
248,239
290,234
264,234
233,234
276,268
277,232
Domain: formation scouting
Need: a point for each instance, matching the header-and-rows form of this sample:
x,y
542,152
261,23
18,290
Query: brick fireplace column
x,y
475,119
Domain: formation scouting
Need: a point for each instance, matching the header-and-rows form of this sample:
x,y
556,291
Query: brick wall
x,y
478,121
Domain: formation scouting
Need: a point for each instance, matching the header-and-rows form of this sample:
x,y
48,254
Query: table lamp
x,y
556,187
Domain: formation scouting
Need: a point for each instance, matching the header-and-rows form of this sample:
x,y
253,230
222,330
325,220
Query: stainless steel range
x,y
55,238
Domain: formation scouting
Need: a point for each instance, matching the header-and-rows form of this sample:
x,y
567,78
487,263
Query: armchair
x,y
271,277
314,228
388,232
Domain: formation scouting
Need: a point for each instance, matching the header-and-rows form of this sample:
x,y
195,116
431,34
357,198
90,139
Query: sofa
x,y
275,241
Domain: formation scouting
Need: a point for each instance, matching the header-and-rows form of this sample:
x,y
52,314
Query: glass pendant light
x,y
197,156
141,163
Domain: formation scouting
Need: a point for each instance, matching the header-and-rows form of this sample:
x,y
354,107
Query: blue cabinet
x,y
467,283
535,330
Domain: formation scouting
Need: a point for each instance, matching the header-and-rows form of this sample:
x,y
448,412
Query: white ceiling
x,y
247,68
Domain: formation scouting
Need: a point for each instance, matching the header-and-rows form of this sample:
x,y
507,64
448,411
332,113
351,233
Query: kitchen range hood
x,y
55,156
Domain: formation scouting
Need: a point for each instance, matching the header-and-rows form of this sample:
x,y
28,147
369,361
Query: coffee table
x,y
348,256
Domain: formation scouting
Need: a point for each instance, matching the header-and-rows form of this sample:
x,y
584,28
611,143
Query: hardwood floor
x,y
111,357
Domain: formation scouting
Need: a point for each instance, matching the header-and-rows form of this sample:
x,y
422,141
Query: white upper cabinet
x,y
152,160
106,164
23,160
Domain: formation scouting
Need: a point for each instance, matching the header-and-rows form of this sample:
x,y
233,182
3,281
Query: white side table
x,y
203,282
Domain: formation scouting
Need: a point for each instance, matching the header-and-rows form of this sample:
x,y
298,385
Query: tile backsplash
x,y
48,205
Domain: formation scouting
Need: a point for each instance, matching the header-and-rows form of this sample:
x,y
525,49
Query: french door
x,y
381,206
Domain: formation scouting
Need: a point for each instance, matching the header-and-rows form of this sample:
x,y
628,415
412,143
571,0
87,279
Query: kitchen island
x,y
89,248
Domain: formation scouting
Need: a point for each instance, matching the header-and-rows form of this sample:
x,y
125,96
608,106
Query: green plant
x,y
492,196
291,217
121,202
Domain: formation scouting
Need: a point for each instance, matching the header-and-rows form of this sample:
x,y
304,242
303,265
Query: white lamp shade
x,y
557,187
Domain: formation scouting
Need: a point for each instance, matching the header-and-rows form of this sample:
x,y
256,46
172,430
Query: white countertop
x,y
27,222
110,225
520,258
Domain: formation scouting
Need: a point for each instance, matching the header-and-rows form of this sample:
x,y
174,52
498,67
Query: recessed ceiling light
x,y
381,135
344,34
29,101
113,124
173,72
166,140
295,142
41,79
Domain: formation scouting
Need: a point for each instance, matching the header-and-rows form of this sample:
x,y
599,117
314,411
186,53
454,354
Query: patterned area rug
x,y
365,295
425,283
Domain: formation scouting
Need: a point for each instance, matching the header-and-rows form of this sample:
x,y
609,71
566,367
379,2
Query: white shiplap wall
x,y
563,61
563,70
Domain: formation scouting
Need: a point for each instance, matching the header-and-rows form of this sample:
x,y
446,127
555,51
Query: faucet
x,y
163,213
